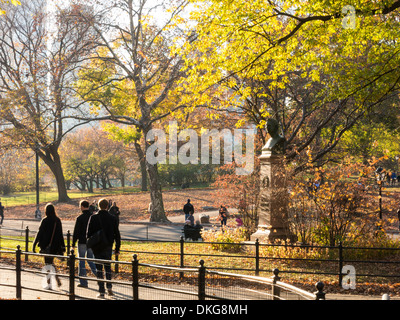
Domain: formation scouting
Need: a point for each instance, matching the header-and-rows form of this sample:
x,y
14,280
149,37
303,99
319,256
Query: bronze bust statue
x,y
276,144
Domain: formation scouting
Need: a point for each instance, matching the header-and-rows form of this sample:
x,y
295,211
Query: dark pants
x,y
223,221
2,217
105,254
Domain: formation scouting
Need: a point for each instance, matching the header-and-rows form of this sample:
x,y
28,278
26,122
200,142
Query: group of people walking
x,y
390,178
96,230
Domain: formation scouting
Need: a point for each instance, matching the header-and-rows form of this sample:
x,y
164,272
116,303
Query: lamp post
x,y
380,199
378,173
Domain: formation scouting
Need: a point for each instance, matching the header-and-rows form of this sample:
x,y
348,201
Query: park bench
x,y
192,232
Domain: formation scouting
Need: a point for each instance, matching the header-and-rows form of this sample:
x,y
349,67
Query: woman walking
x,y
50,240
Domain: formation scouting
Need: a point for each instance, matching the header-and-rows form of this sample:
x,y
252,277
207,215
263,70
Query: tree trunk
x,y
157,212
54,163
103,183
142,161
90,186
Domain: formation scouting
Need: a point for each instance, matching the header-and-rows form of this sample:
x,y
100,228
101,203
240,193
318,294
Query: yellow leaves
x,y
242,38
14,2
142,55
240,123
262,124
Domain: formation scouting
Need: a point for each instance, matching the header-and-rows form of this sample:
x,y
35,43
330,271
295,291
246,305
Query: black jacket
x,y
81,228
44,235
114,211
187,208
104,220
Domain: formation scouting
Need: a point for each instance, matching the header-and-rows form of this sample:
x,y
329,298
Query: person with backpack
x,y
101,234
79,236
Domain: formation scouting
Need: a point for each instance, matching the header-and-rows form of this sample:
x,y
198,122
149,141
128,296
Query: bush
x,y
325,203
227,239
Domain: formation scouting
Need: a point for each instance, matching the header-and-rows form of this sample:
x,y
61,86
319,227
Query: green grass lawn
x,y
161,253
168,253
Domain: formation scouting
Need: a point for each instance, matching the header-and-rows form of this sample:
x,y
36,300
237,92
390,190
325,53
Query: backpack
x,y
98,240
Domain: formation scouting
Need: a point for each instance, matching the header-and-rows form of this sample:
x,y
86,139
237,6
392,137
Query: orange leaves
x,y
337,202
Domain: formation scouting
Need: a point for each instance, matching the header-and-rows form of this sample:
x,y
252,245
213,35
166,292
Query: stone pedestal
x,y
204,218
272,209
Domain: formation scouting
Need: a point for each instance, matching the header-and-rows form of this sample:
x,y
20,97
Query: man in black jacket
x,y
106,222
79,235
187,209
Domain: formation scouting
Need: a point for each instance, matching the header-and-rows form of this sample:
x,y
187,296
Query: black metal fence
x,y
201,284
261,261
386,264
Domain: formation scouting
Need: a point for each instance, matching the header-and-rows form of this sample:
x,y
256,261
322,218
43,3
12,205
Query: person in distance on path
x,y
187,209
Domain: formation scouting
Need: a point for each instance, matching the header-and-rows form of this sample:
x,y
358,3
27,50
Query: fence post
x,y
182,256
68,242
135,277
26,242
276,291
18,270
320,294
202,281
340,263
257,244
72,275
116,267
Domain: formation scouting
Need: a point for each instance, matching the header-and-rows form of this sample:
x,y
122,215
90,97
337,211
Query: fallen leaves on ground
x,y
133,206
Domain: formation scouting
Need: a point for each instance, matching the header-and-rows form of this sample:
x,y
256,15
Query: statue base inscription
x,y
272,210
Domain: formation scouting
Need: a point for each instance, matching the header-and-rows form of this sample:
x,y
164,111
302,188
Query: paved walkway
x,y
34,283
35,287
133,230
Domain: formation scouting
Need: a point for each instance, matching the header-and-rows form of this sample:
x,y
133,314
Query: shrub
x,y
227,239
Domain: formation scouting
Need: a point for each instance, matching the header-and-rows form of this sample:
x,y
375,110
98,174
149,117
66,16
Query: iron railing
x,y
199,283
338,257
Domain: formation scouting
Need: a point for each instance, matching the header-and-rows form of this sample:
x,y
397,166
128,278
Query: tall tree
x,y
39,55
90,158
140,53
341,58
